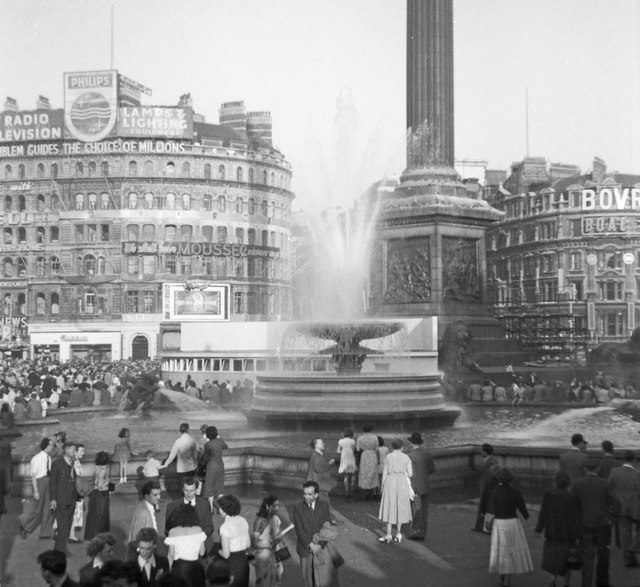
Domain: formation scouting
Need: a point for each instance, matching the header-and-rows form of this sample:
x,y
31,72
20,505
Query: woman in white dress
x,y
348,467
186,545
395,505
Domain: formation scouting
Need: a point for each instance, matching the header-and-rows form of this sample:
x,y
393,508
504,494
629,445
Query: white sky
x,y
580,60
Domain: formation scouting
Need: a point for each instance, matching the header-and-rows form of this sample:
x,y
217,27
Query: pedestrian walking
x,y
395,504
40,514
423,466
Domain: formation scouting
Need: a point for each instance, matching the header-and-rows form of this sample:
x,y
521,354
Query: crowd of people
x,y
532,388
593,500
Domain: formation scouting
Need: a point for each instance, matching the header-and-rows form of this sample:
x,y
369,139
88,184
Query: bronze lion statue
x,y
617,354
456,350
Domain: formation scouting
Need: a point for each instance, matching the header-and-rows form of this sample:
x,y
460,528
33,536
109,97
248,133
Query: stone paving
x,y
451,556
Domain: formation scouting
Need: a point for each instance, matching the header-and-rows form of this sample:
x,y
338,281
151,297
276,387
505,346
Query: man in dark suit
x,y
202,508
625,481
308,517
144,514
608,462
598,503
63,493
488,462
572,461
53,566
152,566
423,466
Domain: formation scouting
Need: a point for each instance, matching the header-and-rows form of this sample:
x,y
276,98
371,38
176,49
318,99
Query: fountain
x,y
395,401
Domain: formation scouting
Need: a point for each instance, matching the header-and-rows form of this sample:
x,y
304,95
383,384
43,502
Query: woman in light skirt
x,y
509,549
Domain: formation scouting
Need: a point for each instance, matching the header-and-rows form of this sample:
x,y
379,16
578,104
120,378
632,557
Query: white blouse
x,y
236,529
186,547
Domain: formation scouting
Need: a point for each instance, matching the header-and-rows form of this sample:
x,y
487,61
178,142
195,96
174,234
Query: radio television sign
x,y
155,121
31,125
91,104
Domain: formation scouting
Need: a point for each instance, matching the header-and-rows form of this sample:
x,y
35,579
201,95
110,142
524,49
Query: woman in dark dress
x,y
212,457
559,518
98,518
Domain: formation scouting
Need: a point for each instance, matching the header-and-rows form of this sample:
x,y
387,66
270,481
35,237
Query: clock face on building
x,y
591,259
628,258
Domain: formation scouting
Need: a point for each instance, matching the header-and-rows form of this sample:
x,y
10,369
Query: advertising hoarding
x,y
200,249
204,302
155,121
31,125
90,104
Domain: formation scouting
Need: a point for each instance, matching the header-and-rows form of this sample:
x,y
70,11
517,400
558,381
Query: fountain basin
x,y
393,402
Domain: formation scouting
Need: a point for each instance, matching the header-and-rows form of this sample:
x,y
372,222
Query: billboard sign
x,y
199,249
31,125
155,121
203,302
90,104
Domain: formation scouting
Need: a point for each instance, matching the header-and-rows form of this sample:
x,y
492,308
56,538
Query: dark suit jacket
x,y
62,483
423,465
87,575
626,483
597,501
69,583
204,515
162,564
308,522
607,464
320,471
572,461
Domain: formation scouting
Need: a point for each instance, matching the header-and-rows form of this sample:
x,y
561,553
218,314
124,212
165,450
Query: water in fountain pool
x,y
503,426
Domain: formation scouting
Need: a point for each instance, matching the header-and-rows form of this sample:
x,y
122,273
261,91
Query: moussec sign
x,y
91,104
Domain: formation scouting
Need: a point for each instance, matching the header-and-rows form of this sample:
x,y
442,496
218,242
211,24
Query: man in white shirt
x,y
144,514
185,451
40,515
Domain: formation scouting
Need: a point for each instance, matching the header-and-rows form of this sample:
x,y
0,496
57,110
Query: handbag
x,y
112,486
574,558
336,557
282,554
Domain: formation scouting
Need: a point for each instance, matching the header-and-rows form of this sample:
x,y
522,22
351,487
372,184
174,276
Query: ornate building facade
x,y
564,264
109,207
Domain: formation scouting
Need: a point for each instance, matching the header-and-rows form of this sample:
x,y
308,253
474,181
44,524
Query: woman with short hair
x,y
265,536
186,545
395,505
235,539
212,457
98,517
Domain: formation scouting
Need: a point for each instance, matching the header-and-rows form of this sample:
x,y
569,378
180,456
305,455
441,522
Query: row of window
x,y
148,169
17,305
207,233
547,290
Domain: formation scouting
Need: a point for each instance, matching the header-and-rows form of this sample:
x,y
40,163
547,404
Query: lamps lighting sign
x,y
91,104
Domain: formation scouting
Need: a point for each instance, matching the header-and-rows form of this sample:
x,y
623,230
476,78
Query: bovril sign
x,y
611,199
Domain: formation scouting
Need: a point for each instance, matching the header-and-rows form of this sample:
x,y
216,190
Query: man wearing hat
x,y
423,466
572,461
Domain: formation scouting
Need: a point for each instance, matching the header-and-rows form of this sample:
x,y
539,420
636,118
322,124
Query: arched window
x,y
105,201
54,234
222,234
239,205
7,305
40,203
185,233
104,167
186,202
8,171
133,264
89,301
148,201
8,203
41,304
170,232
221,172
22,203
40,235
8,236
92,168
22,235
132,232
251,208
79,265
133,168
22,304
54,170
207,233
207,170
79,202
206,203
40,172
148,232
264,177
222,204
264,207
22,171
22,267
240,235
79,169
100,266
171,201
239,174
273,178
148,168
251,236
93,201
250,174
170,169
89,265
55,304
41,264
132,201
186,169
56,268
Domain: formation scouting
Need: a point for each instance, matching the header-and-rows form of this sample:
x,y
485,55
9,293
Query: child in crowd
x,y
122,453
151,468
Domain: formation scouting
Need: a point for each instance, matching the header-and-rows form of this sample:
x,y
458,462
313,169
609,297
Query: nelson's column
x,y
429,257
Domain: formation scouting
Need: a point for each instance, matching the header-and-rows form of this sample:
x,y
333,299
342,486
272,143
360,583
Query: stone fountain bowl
x,y
397,402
